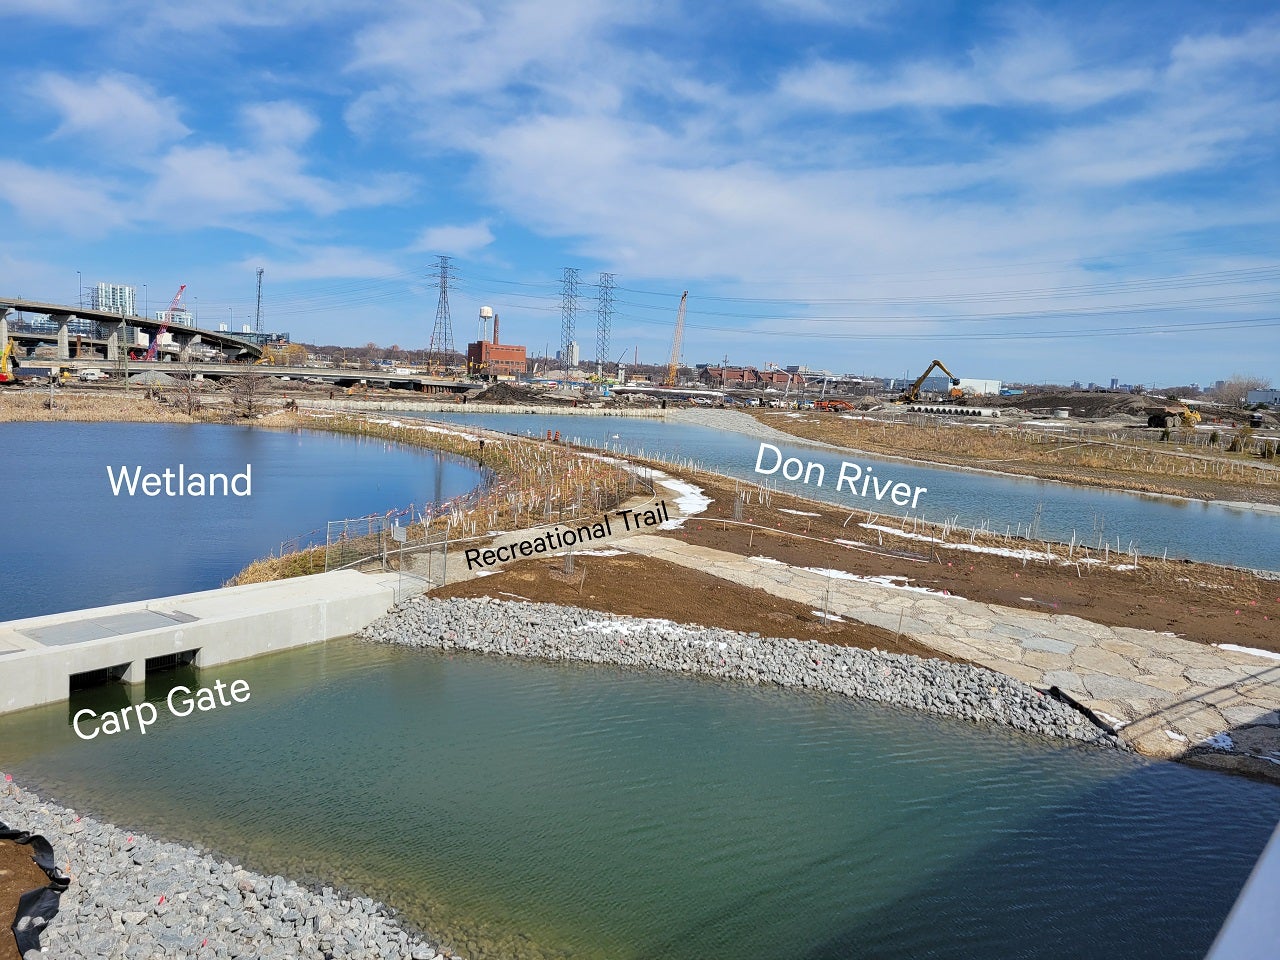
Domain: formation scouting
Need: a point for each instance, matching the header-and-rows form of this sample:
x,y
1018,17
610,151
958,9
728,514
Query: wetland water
x,y
1192,529
71,543
525,809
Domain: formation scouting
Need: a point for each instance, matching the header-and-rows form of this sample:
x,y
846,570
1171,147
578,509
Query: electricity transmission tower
x,y
568,316
604,321
441,349
257,317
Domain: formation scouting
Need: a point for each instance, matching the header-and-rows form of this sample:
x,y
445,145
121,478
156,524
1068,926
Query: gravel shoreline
x,y
136,898
549,632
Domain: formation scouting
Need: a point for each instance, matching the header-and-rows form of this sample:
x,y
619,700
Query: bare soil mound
x,y
509,394
1082,403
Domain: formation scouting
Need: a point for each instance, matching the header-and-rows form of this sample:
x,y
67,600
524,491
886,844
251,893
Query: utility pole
x,y
441,348
568,314
604,321
257,319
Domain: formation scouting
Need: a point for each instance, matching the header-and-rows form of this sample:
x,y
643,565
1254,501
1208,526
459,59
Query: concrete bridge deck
x,y
40,655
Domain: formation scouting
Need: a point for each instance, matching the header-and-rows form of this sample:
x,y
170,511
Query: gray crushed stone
x,y
135,897
551,632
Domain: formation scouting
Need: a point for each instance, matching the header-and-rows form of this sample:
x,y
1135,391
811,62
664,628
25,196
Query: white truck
x,y
92,375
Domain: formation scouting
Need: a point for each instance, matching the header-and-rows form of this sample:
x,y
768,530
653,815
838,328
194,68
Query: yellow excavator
x,y
912,393
8,364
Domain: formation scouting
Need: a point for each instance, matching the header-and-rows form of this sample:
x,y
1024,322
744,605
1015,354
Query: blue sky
x,y
1029,191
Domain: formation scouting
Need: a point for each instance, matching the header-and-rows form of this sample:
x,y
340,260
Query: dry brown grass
x,y
132,406
1209,473
534,480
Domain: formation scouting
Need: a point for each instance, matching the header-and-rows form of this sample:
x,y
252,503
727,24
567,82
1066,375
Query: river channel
x,y
1192,529
526,809
71,542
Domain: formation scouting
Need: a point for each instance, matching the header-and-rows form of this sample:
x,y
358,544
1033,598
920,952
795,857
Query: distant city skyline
x,y
1018,190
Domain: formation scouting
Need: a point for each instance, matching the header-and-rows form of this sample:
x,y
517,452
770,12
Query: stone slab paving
x,y
1168,696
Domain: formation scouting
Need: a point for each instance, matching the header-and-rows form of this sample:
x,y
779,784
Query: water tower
x,y
486,315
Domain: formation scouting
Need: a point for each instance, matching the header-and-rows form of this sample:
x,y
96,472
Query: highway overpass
x,y
82,333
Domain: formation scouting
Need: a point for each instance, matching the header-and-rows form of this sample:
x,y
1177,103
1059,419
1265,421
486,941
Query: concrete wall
x,y
233,623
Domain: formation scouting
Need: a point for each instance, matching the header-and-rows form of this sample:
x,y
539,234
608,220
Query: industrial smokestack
x,y
495,329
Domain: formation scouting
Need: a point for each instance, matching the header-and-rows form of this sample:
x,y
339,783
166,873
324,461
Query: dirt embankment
x,y
643,587
1097,461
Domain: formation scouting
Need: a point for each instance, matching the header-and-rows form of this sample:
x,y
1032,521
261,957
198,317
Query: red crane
x,y
164,326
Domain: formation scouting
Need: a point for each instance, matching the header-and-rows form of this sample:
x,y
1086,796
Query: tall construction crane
x,y
674,363
174,304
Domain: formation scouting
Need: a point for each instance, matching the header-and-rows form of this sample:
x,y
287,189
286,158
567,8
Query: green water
x,y
526,809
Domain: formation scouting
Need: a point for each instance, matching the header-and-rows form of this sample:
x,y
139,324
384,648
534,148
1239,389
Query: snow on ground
x,y
1220,741
1019,554
691,500
1116,722
1023,554
1174,735
767,560
799,513
827,616
1270,655
886,580
593,553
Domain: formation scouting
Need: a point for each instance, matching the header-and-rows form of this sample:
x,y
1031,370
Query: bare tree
x,y
186,392
248,393
1235,390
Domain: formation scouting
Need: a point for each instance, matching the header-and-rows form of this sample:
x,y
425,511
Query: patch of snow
x,y
1235,648
1220,741
767,560
799,513
594,553
1022,554
827,616
484,573
969,547
883,580
1116,722
1174,735
690,501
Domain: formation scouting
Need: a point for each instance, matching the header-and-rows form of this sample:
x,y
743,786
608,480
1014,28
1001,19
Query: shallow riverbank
x,y
1171,485
550,632
133,896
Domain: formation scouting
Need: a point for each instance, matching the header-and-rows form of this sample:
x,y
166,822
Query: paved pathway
x,y
1172,695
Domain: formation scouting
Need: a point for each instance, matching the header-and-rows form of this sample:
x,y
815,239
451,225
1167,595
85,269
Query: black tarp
x,y
36,907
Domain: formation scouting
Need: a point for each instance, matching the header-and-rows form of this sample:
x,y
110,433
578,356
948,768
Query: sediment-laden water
x,y
534,809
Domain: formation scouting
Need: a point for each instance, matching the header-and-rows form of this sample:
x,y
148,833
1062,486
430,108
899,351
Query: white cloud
x,y
458,240
323,263
116,112
215,185
75,204
1030,68
280,122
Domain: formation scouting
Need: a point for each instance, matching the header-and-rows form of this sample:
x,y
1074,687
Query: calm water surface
x,y
1194,529
70,543
527,809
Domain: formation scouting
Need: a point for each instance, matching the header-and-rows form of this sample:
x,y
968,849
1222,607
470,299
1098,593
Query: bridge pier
x,y
4,328
115,342
64,338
